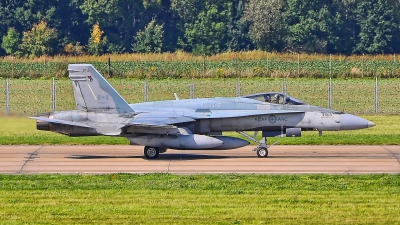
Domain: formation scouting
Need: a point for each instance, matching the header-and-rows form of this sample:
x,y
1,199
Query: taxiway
x,y
129,159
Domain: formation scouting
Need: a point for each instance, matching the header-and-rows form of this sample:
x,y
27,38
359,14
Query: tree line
x,y
202,27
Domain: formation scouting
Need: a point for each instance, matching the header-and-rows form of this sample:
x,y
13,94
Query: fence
x,y
362,96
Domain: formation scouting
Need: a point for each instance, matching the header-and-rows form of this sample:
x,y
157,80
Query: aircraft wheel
x,y
151,152
262,152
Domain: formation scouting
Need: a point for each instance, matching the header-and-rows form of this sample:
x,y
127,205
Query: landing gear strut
x,y
262,148
151,152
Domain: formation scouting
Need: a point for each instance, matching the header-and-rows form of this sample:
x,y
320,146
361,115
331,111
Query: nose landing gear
x,y
261,152
262,148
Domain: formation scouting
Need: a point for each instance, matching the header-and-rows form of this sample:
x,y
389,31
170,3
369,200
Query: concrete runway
x,y
129,159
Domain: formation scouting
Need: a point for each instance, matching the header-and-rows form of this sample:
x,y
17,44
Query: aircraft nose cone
x,y
352,122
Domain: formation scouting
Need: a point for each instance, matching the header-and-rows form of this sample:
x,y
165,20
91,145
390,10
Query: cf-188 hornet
x,y
187,124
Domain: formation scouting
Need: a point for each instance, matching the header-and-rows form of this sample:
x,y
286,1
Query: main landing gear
x,y
153,152
262,148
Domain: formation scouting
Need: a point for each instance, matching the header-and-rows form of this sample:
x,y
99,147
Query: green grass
x,y
199,199
19,130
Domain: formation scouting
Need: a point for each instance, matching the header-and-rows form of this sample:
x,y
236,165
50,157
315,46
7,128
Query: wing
x,y
157,123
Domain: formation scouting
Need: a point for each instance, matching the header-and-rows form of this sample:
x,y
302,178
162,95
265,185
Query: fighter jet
x,y
187,124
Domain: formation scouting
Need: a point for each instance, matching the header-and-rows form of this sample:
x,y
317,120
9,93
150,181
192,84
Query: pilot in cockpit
x,y
267,97
277,97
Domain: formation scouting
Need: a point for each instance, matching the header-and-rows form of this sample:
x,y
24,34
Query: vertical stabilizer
x,y
93,93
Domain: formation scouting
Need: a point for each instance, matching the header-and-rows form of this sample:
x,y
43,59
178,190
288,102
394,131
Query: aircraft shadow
x,y
101,157
190,157
160,157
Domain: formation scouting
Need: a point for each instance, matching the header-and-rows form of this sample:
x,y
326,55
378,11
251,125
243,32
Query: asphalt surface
x,y
129,159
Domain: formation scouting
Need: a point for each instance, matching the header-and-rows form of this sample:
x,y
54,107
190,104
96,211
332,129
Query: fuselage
x,y
216,115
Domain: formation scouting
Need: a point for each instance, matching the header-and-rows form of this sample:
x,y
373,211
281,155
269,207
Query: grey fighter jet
x,y
186,124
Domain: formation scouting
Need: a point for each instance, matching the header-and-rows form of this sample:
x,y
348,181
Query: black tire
x,y
151,152
262,152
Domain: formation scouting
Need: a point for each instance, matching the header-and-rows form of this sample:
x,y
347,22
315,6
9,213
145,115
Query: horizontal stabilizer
x,y
60,122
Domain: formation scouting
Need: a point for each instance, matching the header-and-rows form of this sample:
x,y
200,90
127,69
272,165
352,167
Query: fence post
x,y
140,65
12,67
53,95
146,91
330,83
284,88
362,65
204,65
109,65
267,64
376,95
330,65
7,96
192,88
238,87
298,65
330,93
44,65
237,79
394,64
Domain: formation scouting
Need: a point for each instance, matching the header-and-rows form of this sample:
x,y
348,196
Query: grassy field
x,y
20,130
199,199
30,97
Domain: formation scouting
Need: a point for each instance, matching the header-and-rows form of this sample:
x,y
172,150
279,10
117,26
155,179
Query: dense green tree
x,y
120,19
345,32
11,42
378,25
70,22
268,23
60,14
209,26
39,40
150,39
206,32
7,16
311,25
187,9
238,29
171,22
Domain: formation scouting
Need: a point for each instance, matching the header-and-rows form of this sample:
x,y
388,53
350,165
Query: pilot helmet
x,y
267,97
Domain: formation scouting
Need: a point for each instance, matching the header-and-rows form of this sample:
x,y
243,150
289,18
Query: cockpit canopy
x,y
276,98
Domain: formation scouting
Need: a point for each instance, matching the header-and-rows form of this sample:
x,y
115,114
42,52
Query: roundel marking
x,y
272,119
